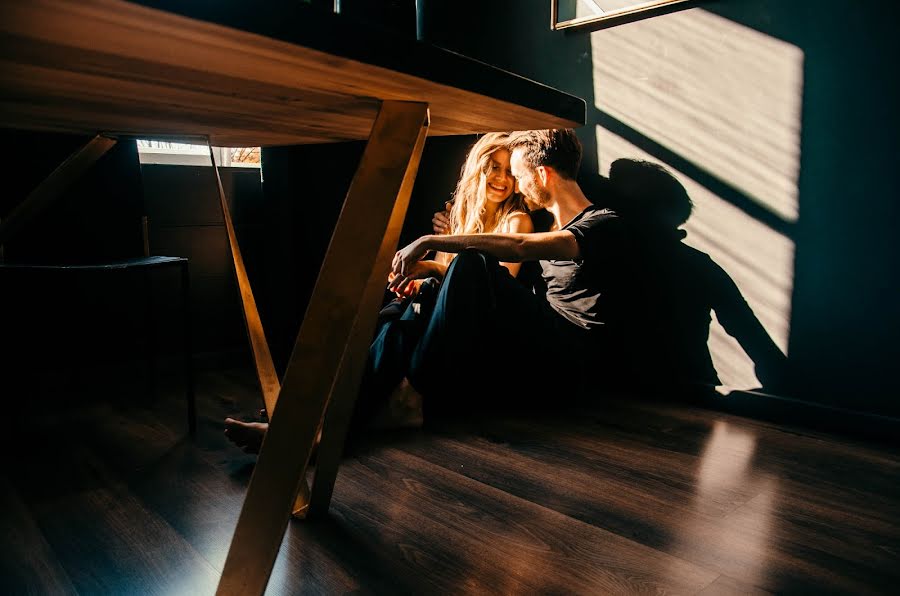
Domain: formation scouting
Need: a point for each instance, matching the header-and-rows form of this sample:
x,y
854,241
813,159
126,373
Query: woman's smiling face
x,y
499,181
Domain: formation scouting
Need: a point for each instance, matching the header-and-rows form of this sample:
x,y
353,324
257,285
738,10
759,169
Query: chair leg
x,y
188,349
383,179
149,333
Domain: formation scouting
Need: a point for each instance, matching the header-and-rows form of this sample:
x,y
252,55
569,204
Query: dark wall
x,y
780,119
98,217
73,324
54,318
185,219
846,321
397,17
78,321
304,189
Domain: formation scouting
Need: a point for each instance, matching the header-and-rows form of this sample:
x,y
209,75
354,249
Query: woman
x,y
485,201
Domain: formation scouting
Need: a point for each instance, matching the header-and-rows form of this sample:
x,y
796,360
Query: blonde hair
x,y
468,214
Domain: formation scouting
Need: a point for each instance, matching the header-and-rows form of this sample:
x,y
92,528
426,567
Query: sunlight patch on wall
x,y
758,259
717,93
722,102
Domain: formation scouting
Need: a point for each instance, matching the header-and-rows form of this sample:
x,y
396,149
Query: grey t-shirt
x,y
582,290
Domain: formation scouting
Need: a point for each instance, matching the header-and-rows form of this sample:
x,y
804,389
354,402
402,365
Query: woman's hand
x,y
440,223
405,285
408,256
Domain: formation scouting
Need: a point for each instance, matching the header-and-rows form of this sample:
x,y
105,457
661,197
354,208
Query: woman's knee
x,y
470,262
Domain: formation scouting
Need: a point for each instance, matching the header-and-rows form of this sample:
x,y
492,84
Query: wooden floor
x,y
109,497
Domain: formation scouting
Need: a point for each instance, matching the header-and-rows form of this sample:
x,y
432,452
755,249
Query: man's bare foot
x,y
403,410
246,435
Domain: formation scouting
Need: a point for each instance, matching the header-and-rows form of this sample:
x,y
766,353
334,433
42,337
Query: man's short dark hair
x,y
557,148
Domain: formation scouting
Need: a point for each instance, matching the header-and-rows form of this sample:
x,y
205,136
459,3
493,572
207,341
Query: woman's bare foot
x,y
403,410
246,435
249,435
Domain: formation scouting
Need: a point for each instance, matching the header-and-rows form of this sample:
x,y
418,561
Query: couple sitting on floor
x,y
471,314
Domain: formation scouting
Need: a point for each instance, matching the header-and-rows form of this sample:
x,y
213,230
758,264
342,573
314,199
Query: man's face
x,y
526,178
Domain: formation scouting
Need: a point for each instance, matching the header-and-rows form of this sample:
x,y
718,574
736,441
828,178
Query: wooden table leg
x,y
262,357
388,166
266,374
346,387
54,185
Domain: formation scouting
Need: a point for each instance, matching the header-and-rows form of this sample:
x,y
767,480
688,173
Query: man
x,y
488,339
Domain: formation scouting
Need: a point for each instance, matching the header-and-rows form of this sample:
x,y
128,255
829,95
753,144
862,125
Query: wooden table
x,y
266,73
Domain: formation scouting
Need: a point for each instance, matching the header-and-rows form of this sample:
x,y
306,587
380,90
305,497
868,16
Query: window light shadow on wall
x,y
719,104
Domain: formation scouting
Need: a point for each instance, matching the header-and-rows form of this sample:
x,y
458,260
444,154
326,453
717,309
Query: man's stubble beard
x,y
541,198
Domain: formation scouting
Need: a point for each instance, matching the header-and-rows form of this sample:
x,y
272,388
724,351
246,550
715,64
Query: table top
x,y
267,72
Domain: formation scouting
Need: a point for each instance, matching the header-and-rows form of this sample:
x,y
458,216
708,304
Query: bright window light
x,y
183,154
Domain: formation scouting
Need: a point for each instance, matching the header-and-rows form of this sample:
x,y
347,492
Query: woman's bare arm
x,y
518,224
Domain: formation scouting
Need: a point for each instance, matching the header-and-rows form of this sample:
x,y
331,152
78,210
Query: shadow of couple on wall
x,y
673,288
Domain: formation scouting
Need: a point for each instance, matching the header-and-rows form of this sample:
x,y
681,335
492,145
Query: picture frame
x,y
600,14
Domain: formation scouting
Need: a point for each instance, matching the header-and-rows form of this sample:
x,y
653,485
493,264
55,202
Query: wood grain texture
x,y
618,497
725,586
353,362
381,184
28,564
728,506
132,549
270,73
544,551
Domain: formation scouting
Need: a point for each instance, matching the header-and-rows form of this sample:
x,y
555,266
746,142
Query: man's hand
x,y
441,220
409,256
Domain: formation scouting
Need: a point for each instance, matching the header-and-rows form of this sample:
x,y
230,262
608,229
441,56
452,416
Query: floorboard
x,y
108,495
28,565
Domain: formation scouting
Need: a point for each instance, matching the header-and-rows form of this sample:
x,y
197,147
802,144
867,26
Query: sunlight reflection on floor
x,y
726,475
